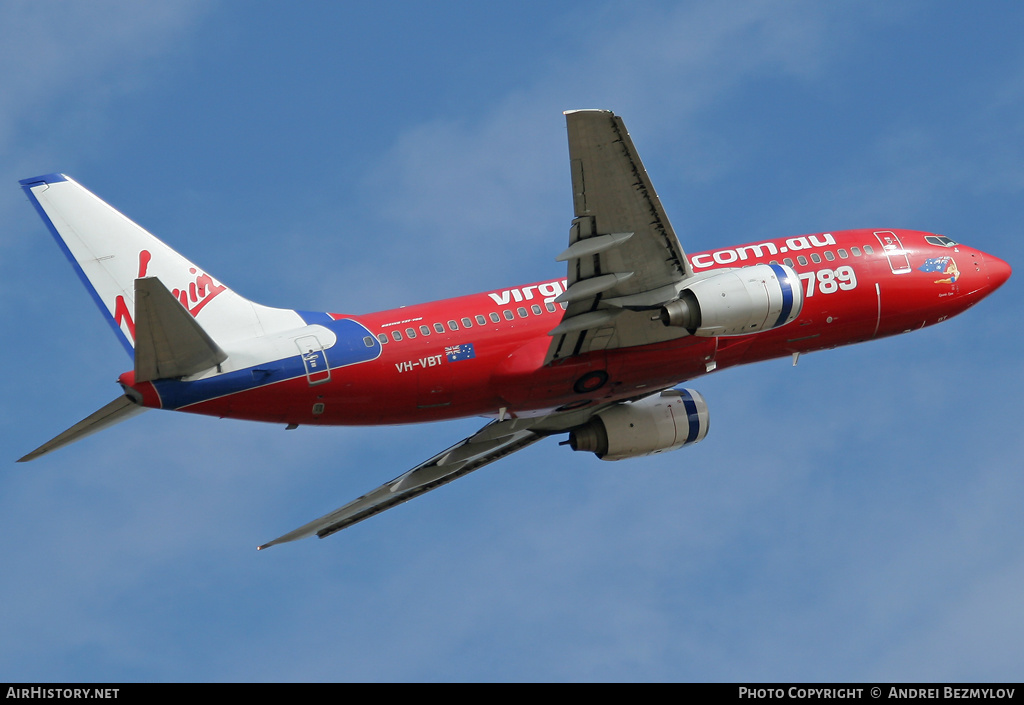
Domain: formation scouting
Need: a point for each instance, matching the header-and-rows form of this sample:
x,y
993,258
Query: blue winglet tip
x,y
44,179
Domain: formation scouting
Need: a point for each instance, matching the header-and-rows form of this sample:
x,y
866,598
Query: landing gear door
x,y
314,359
899,263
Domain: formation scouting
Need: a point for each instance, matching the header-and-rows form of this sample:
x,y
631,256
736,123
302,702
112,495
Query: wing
x,y
624,258
492,442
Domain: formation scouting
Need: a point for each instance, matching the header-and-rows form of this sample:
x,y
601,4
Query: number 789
x,y
829,281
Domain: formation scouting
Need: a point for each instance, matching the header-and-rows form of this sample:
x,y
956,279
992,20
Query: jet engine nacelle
x,y
737,302
666,421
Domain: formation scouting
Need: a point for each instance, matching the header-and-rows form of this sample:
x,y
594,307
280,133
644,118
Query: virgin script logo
x,y
199,292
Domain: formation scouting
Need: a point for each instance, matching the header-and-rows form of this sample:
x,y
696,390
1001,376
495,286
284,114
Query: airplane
x,y
599,354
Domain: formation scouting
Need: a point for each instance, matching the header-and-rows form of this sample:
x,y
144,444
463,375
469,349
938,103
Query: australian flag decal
x,y
934,264
455,353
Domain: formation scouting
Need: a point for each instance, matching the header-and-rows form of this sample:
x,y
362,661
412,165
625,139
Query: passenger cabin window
x,y
495,318
424,330
815,257
508,315
438,328
855,251
382,338
550,307
483,321
397,335
522,312
410,332
453,326
536,309
829,255
868,250
467,323
788,261
368,341
802,260
843,254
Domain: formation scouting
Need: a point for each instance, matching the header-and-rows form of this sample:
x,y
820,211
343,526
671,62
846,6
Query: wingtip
x,y
44,179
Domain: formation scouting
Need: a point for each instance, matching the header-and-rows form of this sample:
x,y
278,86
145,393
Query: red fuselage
x,y
483,355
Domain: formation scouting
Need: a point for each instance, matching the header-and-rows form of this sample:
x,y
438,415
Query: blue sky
x,y
855,518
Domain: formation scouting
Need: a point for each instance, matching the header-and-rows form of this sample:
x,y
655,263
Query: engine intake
x,y
737,302
666,421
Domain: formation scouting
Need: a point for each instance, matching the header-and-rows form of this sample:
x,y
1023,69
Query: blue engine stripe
x,y
787,293
692,417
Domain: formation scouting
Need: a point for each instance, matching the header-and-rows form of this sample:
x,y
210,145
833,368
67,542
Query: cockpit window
x,y
940,240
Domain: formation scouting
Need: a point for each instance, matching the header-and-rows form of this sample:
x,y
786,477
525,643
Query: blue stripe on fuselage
x,y
176,394
349,349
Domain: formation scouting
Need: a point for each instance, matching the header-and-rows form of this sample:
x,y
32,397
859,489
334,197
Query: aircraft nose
x,y
997,270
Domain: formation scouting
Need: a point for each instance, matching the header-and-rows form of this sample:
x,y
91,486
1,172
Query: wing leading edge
x,y
624,258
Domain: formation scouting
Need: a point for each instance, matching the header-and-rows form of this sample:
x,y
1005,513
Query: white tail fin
x,y
110,252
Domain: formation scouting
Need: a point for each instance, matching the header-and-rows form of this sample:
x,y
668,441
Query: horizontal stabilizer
x,y
169,342
114,412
